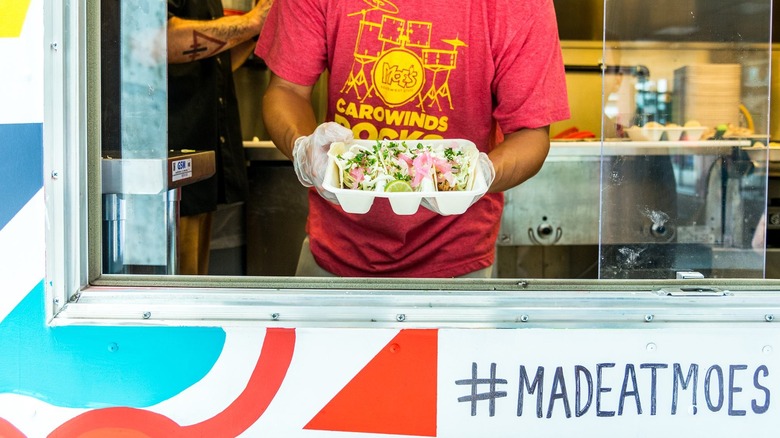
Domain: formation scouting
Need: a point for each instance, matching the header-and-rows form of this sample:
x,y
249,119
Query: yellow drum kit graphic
x,y
404,67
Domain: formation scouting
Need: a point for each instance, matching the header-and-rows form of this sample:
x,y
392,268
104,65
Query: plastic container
x,y
406,203
693,133
636,133
673,133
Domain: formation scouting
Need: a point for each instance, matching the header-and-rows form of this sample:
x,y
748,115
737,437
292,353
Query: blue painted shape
x,y
21,168
97,366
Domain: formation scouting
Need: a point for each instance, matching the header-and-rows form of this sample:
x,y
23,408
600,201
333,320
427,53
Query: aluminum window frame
x,y
78,294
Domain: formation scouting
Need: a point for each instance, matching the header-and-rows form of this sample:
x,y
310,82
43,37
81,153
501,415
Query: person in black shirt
x,y
204,47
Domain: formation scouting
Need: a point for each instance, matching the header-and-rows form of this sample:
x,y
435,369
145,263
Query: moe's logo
x,y
398,76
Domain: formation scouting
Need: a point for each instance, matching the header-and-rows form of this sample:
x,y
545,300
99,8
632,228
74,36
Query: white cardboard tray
x,y
405,203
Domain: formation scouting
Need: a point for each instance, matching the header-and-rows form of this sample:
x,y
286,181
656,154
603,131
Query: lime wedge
x,y
398,186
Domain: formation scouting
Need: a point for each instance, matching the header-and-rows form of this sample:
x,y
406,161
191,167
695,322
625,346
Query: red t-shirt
x,y
405,69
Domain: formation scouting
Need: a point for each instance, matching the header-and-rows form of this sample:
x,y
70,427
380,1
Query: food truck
x,y
635,291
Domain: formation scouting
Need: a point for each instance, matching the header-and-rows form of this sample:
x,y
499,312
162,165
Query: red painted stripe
x,y
275,358
7,430
120,422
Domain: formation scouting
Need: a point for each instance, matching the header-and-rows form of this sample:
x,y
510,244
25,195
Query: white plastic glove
x,y
485,171
310,155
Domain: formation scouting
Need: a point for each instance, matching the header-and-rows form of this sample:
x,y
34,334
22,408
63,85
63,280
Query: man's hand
x,y
485,171
310,155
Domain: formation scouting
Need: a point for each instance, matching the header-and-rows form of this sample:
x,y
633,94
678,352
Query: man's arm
x,y
240,53
287,113
519,157
191,40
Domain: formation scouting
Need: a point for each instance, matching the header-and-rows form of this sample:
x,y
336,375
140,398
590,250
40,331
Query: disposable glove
x,y
310,155
485,171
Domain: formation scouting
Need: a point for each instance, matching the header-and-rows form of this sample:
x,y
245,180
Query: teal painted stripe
x,y
90,367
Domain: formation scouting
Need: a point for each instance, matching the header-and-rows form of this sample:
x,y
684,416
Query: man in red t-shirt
x,y
486,71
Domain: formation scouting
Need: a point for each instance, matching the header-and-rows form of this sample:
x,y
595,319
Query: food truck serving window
x,y
663,183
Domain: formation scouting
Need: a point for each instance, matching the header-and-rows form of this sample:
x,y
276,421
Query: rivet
x,y
147,315
649,318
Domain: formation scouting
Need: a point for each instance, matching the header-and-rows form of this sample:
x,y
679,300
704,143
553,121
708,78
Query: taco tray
x,y
358,201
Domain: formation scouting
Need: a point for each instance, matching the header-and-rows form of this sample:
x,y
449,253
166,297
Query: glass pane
x,y
138,204
684,176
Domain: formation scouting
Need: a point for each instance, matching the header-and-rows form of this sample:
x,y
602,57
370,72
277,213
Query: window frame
x,y
77,292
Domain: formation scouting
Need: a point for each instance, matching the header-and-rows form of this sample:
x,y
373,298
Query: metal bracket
x,y
693,291
688,275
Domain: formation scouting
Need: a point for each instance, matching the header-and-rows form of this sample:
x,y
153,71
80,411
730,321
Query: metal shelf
x,y
627,147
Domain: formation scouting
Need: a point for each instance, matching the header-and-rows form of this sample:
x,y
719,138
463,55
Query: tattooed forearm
x,y
191,40
227,33
202,46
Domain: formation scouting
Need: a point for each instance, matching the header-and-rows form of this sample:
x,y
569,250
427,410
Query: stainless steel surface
x,y
114,216
439,303
626,197
562,198
172,198
561,204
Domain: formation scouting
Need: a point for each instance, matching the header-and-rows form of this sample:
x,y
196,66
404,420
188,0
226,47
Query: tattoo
x,y
228,32
203,46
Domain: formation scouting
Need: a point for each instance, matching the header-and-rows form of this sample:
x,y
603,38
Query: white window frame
x,y
77,293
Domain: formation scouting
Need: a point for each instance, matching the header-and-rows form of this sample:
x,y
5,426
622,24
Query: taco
x,y
455,167
426,167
